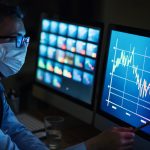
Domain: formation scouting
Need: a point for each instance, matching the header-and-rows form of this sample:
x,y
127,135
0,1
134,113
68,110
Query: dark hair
x,y
7,10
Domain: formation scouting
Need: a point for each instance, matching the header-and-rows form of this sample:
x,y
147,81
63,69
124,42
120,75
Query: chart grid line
x,y
127,60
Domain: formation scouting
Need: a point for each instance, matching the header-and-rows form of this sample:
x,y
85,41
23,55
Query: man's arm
x,y
6,143
14,133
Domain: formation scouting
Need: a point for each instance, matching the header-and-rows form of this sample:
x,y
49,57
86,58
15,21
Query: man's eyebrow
x,y
16,34
12,34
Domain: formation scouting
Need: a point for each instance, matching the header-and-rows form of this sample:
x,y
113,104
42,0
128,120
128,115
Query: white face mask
x,y
11,58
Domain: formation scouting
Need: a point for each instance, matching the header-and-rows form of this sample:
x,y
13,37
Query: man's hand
x,y
112,139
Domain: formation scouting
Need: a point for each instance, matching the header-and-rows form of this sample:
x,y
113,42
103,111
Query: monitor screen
x,y
126,88
67,58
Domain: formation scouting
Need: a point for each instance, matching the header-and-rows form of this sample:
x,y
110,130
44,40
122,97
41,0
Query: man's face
x,y
11,27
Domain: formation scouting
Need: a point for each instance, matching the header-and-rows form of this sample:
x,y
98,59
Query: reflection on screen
x,y
67,58
126,93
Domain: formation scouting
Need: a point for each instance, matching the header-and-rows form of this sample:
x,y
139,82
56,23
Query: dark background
x,y
127,12
133,13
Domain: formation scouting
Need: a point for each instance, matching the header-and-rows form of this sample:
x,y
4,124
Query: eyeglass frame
x,y
23,40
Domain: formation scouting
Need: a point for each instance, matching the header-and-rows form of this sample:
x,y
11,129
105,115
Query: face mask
x,y
11,58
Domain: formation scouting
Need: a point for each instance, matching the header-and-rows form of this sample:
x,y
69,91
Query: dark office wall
x,y
127,12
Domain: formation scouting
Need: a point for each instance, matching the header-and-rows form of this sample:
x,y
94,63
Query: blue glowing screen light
x,y
126,92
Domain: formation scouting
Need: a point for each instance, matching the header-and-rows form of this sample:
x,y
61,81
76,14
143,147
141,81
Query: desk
x,y
74,131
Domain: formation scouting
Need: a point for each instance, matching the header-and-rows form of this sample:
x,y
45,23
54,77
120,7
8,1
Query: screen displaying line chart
x,y
126,91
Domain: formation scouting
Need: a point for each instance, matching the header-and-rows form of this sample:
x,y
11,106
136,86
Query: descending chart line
x,y
129,94
129,101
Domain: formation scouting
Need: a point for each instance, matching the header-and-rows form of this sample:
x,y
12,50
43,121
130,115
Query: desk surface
x,y
74,131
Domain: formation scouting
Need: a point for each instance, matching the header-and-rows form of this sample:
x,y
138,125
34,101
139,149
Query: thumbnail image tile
x,y
91,50
69,58
54,27
93,35
45,25
50,65
61,42
57,81
89,64
82,33
72,31
71,45
44,38
40,75
77,75
48,78
81,47
79,61
58,68
41,63
52,40
60,55
63,27
67,72
87,78
42,50
51,52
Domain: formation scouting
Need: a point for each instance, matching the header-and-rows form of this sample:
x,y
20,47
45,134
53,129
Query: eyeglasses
x,y
20,40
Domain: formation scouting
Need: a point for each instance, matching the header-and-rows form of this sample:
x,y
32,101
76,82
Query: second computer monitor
x,y
67,59
126,91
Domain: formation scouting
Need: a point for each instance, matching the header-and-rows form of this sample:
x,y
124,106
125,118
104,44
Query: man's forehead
x,y
11,26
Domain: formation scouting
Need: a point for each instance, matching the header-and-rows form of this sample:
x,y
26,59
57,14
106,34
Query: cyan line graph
x,y
125,61
125,58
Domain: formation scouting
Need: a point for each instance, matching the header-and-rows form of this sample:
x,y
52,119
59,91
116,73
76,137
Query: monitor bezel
x,y
122,28
81,23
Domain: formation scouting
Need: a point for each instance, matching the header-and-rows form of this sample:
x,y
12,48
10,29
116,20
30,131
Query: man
x,y
13,135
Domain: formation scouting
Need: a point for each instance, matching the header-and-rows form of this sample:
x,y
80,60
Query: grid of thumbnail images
x,y
67,51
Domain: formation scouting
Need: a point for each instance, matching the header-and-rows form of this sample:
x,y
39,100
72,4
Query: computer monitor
x,y
67,63
125,96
